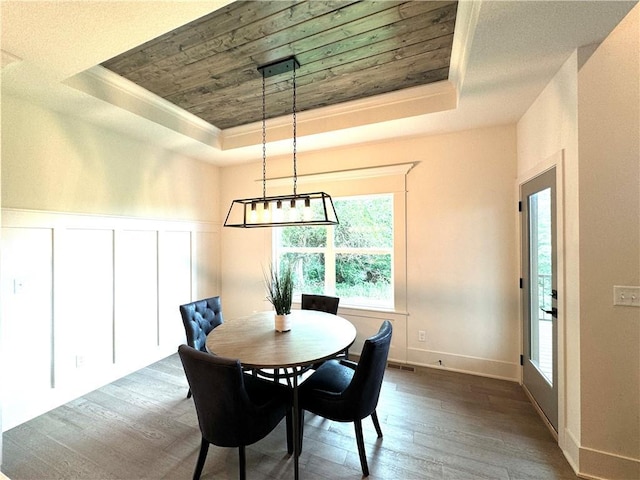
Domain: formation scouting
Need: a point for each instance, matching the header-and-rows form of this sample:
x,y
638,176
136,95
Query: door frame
x,y
556,160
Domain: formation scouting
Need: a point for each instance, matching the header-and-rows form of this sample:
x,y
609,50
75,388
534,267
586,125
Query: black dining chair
x,y
322,303
233,409
199,318
346,391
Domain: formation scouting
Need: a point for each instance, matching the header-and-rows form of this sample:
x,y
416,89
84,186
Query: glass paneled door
x,y
540,329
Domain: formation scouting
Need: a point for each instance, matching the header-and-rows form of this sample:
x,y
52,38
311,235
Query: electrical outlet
x,y
79,361
626,296
422,336
18,286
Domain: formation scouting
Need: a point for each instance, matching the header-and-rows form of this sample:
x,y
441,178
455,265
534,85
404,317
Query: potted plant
x,y
279,283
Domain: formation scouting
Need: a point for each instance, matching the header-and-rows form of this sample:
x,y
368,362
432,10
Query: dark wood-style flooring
x,y
436,425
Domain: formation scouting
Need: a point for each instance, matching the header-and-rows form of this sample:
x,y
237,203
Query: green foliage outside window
x,y
363,276
365,223
304,237
309,271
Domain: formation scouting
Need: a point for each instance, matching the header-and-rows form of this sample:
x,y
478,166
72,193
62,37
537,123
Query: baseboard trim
x,y
599,465
571,450
483,367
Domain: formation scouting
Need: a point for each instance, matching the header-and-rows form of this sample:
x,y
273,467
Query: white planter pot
x,y
283,323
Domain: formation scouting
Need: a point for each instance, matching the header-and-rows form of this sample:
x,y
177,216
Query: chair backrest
x,y
321,303
199,318
221,401
364,388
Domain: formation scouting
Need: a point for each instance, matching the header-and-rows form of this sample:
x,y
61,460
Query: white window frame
x,y
382,179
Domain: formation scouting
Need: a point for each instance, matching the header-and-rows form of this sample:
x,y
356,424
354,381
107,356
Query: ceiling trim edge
x,y
409,102
337,175
466,22
105,85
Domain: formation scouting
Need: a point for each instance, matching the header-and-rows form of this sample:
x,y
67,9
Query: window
x,y
352,260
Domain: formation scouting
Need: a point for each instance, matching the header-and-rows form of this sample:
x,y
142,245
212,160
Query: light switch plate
x,y
626,296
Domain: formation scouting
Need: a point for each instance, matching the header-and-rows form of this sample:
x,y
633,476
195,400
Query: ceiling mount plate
x,y
281,66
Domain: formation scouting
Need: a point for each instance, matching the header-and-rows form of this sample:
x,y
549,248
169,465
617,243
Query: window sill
x,y
365,311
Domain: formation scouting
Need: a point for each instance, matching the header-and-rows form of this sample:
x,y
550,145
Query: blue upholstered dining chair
x,y
233,409
346,391
322,303
199,318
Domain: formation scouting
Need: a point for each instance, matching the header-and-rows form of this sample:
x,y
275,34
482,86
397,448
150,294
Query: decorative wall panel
x,y
92,298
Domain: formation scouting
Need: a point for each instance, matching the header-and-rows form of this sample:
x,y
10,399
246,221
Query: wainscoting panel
x,y
87,299
136,302
83,298
174,287
26,340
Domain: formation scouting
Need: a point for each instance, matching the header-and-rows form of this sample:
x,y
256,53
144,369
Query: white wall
x,y
103,238
60,163
588,115
609,182
1,387
461,246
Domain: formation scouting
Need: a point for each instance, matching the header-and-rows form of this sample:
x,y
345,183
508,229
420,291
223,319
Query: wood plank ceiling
x,y
346,50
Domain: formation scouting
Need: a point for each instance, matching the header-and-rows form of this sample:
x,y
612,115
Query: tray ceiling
x,y
346,51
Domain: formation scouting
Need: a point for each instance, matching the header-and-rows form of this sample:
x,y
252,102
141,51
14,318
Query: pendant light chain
x,y
264,140
295,171
281,210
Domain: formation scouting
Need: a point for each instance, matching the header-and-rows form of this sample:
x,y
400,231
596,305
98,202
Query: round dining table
x,y
314,336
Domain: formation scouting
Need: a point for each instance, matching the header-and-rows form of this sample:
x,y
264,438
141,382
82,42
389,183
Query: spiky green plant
x,y
280,288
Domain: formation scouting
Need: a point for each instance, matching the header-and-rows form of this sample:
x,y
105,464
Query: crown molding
x,y
466,23
409,102
105,85
340,175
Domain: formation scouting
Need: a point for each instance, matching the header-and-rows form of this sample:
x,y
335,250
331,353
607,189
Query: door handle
x,y
553,312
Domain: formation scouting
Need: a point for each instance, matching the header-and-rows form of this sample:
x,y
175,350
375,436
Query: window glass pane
x,y
353,260
363,279
365,222
540,247
304,237
308,271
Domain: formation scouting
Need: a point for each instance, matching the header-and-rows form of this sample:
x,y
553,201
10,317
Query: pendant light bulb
x,y
253,214
278,214
266,212
307,214
293,211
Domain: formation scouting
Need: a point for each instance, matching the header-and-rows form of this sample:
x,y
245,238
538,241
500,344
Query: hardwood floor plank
x,y
436,425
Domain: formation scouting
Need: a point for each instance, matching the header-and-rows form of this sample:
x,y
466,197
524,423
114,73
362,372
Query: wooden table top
x,y
253,339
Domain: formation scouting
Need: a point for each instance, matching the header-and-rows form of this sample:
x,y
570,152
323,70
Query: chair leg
x,y
300,430
361,451
376,423
289,420
243,468
189,394
204,448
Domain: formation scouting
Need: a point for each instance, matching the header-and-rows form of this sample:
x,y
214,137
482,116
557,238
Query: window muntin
x,y
352,260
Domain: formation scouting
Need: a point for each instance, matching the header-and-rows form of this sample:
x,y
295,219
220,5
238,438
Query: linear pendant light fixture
x,y
283,210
